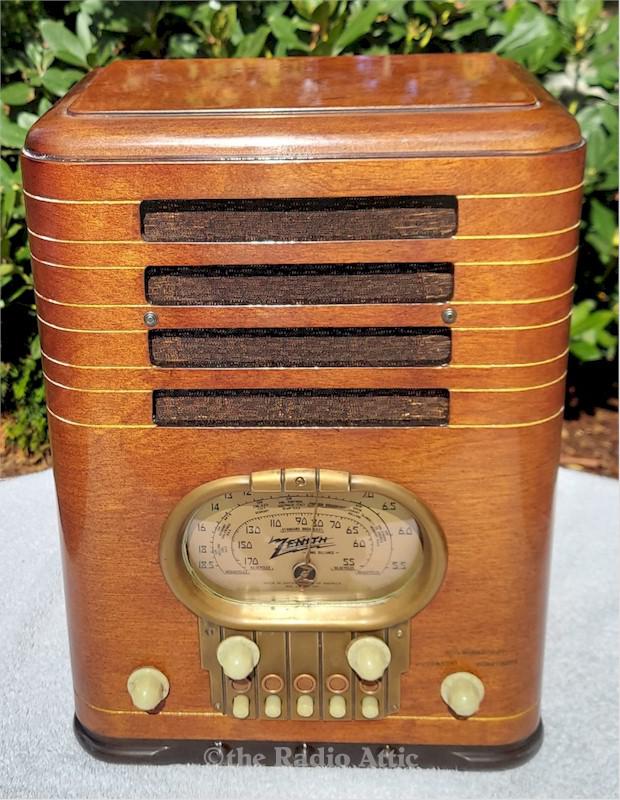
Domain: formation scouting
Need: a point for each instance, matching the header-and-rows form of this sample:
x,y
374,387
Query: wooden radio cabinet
x,y
304,326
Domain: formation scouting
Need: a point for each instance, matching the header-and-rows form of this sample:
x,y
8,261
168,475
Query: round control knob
x,y
337,706
370,707
241,706
237,655
273,706
147,687
305,705
463,693
368,657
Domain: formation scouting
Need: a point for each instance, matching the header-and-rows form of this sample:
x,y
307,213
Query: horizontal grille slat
x,y
299,347
301,407
299,284
299,219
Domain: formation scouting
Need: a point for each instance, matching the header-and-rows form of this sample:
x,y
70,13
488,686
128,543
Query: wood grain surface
x,y
373,106
513,160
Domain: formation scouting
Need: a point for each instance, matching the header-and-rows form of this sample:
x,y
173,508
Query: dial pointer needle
x,y
313,527
304,572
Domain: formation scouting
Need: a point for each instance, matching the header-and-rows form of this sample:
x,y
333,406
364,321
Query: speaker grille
x,y
290,408
299,219
299,284
299,347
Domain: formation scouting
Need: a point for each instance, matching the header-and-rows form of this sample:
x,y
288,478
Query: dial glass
x,y
356,545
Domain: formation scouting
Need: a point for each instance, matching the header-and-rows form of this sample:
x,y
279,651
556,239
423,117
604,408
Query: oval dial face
x,y
294,547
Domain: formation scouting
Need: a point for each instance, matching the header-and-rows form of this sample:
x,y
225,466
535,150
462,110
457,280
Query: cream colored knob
x,y
305,705
368,657
238,655
337,706
370,707
463,693
147,687
273,706
241,706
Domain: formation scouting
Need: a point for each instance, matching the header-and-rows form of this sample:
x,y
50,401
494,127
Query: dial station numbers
x,y
279,547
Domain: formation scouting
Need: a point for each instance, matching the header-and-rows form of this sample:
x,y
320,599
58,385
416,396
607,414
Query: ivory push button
x,y
337,706
305,705
238,655
463,693
370,707
241,706
368,657
273,706
147,687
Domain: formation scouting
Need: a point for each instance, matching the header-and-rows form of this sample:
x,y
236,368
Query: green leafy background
x,y
47,46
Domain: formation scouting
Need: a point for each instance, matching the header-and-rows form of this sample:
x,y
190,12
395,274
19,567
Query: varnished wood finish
x,y
477,216
103,253
296,84
489,285
469,408
481,315
488,474
487,618
149,124
495,347
549,175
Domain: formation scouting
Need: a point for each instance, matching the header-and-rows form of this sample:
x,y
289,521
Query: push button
x,y
273,706
305,705
337,706
241,706
370,707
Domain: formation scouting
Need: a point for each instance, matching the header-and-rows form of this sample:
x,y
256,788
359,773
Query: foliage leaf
x,y
11,134
358,24
252,43
17,94
64,45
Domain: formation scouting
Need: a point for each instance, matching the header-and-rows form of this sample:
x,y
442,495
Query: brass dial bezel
x,y
354,615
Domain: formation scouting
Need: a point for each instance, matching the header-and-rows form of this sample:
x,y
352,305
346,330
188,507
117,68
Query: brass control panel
x,y
305,675
303,581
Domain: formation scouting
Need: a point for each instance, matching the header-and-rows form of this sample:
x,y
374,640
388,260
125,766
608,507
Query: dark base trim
x,y
311,754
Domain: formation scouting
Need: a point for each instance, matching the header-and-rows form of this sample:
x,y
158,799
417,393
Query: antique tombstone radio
x,y
305,328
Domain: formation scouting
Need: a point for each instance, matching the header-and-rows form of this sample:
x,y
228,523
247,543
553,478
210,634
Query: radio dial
x,y
368,657
238,655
